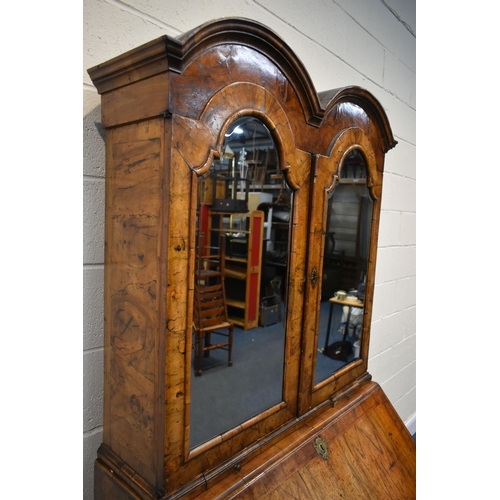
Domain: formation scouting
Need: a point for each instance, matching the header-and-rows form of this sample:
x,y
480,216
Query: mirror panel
x,y
345,258
243,227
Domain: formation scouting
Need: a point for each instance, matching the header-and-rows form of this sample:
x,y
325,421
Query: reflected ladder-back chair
x,y
210,309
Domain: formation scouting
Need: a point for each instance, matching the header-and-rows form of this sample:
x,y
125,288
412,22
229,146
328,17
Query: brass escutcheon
x,y
321,448
314,277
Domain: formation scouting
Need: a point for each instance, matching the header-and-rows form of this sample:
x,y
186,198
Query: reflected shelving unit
x,y
244,233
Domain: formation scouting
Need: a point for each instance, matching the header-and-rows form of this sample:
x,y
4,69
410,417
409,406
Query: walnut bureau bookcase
x,y
169,110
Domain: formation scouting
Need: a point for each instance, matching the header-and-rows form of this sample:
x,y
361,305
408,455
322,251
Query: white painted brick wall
x,y
340,42
93,220
93,368
93,306
93,142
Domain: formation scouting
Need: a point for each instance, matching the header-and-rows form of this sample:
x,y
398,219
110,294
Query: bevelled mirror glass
x,y
346,248
242,235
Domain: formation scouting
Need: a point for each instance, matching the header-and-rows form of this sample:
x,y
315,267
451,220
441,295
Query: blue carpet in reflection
x,y
225,396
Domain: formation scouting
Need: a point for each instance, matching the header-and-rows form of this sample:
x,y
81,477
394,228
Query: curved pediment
x,y
358,96
252,34
174,55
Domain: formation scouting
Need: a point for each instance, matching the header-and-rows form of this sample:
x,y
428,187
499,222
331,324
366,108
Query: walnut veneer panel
x,y
371,456
132,307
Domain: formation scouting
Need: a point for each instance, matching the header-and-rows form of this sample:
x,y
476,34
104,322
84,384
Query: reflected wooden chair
x,y
210,309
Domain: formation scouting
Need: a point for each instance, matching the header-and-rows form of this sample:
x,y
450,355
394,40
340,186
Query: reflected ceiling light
x,y
237,130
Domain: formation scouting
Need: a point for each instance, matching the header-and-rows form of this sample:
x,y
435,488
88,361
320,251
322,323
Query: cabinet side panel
x,y
132,294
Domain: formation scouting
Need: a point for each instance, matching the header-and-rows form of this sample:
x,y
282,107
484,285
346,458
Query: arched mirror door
x,y
345,213
240,291
345,261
